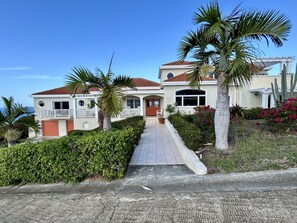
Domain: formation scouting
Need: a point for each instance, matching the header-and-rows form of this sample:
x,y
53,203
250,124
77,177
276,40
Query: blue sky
x,y
41,40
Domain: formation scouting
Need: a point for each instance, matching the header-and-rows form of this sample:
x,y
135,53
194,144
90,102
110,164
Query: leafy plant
x,y
170,109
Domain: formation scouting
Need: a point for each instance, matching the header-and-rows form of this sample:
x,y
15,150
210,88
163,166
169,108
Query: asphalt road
x,y
158,197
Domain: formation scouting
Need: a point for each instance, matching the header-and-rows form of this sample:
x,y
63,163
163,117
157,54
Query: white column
x,y
265,100
74,108
281,66
272,102
96,108
289,67
141,106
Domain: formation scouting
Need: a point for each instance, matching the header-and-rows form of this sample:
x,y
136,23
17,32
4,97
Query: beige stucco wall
x,y
48,104
91,123
169,97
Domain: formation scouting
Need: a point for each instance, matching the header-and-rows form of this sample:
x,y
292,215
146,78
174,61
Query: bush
x,y
128,122
189,132
252,113
70,158
204,120
283,118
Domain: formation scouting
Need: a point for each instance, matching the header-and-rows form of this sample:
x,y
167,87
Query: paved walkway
x,y
156,146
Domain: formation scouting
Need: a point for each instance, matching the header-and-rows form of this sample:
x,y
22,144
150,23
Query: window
x,y
170,75
190,97
41,103
61,105
81,103
133,102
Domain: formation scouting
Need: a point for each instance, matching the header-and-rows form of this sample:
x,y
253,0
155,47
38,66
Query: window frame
x,y
198,96
133,103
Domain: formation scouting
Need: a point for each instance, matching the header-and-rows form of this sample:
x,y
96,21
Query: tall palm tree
x,y
12,120
110,99
226,43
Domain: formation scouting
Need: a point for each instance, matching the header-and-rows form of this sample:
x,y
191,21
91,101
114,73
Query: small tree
x,y
226,43
12,119
110,99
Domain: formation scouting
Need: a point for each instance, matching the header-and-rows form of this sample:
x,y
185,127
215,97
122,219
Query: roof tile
x,y
184,77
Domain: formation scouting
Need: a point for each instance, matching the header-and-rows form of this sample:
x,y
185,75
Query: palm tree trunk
x,y
222,115
107,123
100,119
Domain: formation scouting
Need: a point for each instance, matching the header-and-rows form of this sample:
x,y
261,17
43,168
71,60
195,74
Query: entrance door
x,y
152,106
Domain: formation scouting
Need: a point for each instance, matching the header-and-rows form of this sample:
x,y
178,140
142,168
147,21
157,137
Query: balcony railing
x,y
85,113
56,113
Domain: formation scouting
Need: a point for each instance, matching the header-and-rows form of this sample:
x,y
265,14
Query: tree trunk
x,y
222,114
107,123
100,119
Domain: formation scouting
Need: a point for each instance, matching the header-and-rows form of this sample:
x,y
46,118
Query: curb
x,y
190,158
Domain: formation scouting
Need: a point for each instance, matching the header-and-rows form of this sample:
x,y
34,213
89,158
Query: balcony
x,y
56,113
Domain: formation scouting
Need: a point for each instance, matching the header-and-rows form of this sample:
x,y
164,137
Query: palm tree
x,y
110,99
226,43
12,120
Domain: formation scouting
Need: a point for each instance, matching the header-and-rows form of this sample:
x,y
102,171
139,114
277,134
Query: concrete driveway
x,y
158,194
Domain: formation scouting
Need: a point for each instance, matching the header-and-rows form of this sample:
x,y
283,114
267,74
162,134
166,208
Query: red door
x,y
50,128
70,125
152,106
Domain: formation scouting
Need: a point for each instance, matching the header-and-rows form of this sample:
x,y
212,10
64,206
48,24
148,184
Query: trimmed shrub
x,y
70,159
128,122
189,132
252,113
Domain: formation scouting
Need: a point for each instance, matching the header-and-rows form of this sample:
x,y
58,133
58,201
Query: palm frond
x,y
269,25
122,81
81,79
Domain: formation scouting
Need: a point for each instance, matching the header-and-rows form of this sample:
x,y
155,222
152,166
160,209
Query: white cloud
x,y
40,77
14,68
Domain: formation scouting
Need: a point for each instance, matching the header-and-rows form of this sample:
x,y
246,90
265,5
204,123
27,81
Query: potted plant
x,y
161,117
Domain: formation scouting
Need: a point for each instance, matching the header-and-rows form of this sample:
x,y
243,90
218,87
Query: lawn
x,y
252,148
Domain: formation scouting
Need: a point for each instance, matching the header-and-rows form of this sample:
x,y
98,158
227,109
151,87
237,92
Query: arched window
x,y
190,97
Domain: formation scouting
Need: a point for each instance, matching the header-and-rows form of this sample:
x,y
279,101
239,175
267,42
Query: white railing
x,y
56,113
85,113
129,112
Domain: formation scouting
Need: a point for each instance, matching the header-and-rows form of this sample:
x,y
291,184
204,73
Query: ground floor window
x,y
133,102
190,97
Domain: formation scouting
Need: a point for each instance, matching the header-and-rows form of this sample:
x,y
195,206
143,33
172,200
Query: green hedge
x,y
128,122
189,132
70,158
252,113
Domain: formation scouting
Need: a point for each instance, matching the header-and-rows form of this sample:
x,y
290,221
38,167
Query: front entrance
x,y
152,106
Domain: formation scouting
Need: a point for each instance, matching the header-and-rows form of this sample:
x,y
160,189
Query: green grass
x,y
253,149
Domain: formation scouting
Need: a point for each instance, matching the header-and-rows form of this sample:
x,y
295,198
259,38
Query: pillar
x,y
265,100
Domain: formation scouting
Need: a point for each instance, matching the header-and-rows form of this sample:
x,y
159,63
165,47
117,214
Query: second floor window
x,y
61,105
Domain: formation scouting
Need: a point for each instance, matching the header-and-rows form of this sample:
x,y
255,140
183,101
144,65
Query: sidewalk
x,y
156,146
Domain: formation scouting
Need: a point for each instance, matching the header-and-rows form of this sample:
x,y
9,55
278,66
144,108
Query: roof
x,y
139,82
178,63
184,77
